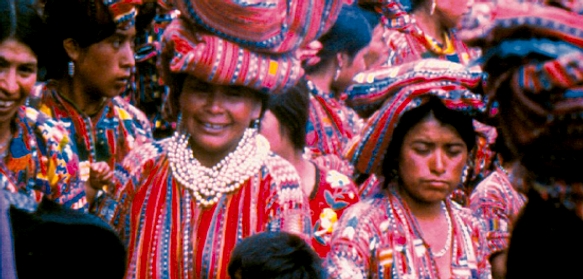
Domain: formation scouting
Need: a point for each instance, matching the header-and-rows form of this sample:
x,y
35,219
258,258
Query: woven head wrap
x,y
193,51
367,150
123,12
372,88
534,58
267,25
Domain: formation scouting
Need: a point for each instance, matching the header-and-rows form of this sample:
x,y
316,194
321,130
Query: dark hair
x,y
460,122
54,236
20,20
291,110
349,34
501,148
85,21
275,255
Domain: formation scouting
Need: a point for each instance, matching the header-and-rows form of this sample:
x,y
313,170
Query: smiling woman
x,y
184,202
35,156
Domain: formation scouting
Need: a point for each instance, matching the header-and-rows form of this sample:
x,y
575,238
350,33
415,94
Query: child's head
x,y
275,255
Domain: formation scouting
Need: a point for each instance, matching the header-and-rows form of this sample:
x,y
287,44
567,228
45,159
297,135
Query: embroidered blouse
x,y
333,193
407,46
40,162
380,238
120,127
331,125
169,235
498,203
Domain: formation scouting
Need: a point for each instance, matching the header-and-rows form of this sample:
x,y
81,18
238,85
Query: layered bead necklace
x,y
444,250
208,185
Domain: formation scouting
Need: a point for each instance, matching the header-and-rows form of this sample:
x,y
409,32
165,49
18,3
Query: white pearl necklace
x,y
444,250
208,185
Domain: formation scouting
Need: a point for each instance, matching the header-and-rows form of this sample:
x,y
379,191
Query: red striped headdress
x,y
367,150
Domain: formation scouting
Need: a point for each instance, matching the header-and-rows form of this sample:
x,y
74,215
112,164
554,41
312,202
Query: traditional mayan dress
x,y
498,203
169,235
333,193
331,125
380,238
40,162
120,127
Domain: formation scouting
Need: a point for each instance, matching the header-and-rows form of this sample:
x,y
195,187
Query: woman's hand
x,y
100,178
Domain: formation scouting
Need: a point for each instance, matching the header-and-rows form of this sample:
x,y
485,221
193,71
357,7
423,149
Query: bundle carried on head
x,y
243,43
533,54
372,88
276,26
410,85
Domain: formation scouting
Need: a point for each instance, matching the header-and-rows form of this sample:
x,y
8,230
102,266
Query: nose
x,y
9,82
127,57
438,163
214,102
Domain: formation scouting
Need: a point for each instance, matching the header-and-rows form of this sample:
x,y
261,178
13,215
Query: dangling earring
x,y
71,68
337,74
433,4
256,124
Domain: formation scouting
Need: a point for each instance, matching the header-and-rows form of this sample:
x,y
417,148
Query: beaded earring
x,y
256,124
71,68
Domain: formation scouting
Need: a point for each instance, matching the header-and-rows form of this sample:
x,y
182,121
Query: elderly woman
x,y
183,203
533,54
36,157
91,44
411,228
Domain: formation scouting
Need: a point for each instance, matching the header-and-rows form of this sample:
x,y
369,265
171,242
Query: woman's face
x,y
18,69
216,116
431,161
104,68
451,11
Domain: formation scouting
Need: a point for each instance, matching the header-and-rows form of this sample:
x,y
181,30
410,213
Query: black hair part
x,y
460,122
20,20
349,34
85,21
275,255
291,110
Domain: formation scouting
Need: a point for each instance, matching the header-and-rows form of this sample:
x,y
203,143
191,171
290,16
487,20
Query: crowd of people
x,y
291,139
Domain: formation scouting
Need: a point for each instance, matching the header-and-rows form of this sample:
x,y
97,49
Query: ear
x,y
72,48
340,60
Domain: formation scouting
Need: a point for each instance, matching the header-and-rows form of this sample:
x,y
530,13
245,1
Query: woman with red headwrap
x,y
419,142
184,202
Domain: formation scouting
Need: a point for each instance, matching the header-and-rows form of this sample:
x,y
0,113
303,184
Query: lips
x,y
213,128
437,183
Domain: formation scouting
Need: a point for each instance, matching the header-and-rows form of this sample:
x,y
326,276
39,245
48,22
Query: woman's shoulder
x,y
148,152
45,128
369,210
468,218
128,111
